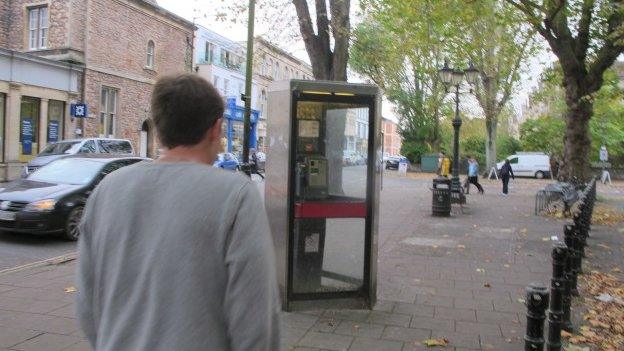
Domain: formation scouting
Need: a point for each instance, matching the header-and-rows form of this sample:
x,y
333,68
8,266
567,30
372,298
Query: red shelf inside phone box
x,y
330,209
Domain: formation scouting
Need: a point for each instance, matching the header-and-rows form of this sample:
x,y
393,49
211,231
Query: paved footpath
x,y
458,278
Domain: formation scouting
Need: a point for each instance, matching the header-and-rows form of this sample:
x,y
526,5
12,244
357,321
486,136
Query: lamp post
x,y
453,78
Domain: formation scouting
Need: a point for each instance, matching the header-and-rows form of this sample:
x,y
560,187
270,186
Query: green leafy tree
x,y
494,37
402,44
404,64
606,128
586,36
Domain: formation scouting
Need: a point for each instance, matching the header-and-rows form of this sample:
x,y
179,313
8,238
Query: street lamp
x,y
453,78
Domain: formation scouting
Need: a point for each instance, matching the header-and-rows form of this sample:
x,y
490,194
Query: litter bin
x,y
441,201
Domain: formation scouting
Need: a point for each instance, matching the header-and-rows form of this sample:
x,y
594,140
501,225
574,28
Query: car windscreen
x,y
115,146
62,148
68,171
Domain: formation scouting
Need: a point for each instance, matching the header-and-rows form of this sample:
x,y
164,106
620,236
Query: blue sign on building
x,y
236,114
53,131
27,136
78,110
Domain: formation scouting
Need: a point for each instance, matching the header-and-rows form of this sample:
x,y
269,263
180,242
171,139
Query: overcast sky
x,y
205,13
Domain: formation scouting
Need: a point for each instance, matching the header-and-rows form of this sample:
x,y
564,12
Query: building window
x,y
2,116
226,87
209,54
29,128
108,111
37,27
150,54
56,118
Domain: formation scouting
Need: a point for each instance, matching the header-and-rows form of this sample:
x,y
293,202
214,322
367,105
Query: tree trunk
x,y
491,125
576,141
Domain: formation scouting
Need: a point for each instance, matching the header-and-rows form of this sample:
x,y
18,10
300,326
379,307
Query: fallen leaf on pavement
x,y
616,270
480,270
604,246
435,342
70,289
487,285
545,239
565,334
506,265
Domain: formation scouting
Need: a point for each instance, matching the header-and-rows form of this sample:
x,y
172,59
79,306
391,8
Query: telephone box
x,y
322,187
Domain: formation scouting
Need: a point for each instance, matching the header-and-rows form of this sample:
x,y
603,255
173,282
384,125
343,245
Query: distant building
x,y
102,54
272,63
391,138
222,62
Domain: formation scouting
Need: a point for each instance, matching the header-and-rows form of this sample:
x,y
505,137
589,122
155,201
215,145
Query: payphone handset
x,y
311,163
315,177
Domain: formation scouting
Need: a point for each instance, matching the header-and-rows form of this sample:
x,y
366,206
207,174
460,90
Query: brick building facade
x,y
391,138
121,47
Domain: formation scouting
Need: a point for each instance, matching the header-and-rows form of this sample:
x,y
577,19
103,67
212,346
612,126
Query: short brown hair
x,y
184,107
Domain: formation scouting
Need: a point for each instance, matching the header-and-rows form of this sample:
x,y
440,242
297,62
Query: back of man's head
x,y
184,107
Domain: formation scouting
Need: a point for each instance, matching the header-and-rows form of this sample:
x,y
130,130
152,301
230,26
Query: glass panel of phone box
x,y
331,167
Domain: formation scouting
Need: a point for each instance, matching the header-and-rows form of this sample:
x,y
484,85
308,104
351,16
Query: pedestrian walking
x,y
473,175
254,164
505,173
176,254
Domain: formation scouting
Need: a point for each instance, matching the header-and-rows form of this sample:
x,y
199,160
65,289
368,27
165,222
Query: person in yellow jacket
x,y
444,165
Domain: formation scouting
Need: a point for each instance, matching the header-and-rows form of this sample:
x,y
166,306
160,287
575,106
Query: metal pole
x,y
457,122
248,76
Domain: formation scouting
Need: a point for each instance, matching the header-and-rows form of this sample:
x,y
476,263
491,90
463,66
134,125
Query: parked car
x,y
65,148
51,199
227,161
392,162
528,164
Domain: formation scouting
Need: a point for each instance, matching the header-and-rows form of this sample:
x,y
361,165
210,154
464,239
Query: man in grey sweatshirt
x,y
175,254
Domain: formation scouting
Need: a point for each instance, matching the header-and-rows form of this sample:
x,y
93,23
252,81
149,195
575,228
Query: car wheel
x,y
72,222
539,175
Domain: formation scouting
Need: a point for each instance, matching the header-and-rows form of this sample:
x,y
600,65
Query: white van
x,y
528,164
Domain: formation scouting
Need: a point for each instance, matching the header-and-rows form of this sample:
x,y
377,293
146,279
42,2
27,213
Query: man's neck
x,y
193,154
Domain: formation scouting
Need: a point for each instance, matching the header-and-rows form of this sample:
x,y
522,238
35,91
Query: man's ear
x,y
215,131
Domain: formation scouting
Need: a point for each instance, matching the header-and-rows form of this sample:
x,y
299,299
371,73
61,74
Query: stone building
x,y
120,47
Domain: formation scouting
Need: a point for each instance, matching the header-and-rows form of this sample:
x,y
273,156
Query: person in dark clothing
x,y
254,164
505,173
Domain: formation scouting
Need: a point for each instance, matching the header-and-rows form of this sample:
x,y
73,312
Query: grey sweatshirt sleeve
x,y
84,276
251,298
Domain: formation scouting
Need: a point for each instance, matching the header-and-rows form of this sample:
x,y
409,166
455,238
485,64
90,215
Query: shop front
x,y
233,128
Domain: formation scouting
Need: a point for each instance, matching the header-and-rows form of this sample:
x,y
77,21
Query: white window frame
x,y
209,52
108,111
151,48
226,87
38,27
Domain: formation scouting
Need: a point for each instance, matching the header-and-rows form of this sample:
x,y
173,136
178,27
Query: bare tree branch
x,y
582,36
341,29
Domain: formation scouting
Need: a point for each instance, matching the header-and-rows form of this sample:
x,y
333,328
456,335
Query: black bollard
x,y
537,302
570,239
557,291
581,230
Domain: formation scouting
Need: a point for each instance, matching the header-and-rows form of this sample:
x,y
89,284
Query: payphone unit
x,y
322,190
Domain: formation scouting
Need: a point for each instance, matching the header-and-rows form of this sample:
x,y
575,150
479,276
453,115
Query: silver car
x,y
65,148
